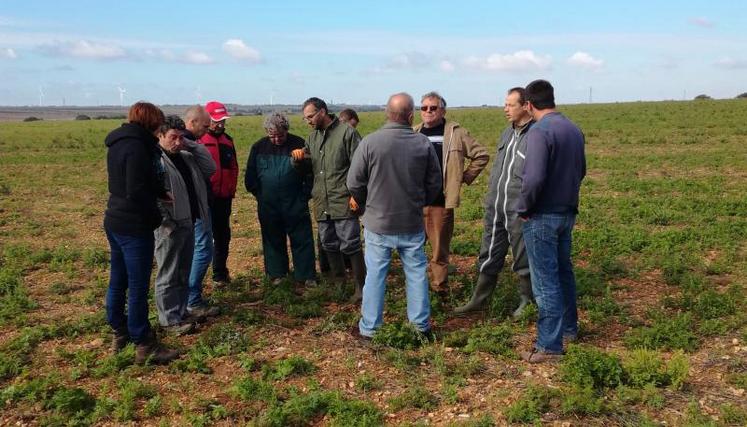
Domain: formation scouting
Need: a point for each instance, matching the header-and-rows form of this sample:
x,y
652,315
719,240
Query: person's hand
x,y
168,198
298,154
353,204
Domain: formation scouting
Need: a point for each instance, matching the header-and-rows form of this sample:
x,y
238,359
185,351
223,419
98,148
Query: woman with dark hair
x,y
135,184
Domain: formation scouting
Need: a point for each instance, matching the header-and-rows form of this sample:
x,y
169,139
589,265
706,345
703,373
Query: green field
x,y
660,251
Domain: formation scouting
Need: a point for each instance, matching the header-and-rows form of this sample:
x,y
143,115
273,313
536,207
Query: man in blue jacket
x,y
554,167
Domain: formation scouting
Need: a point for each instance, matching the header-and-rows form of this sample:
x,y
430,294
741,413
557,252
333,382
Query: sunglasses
x,y
430,108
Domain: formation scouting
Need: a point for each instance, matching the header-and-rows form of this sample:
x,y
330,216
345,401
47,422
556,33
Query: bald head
x,y
197,120
400,108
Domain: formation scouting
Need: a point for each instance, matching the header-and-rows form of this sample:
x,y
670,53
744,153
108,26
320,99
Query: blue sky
x,y
360,52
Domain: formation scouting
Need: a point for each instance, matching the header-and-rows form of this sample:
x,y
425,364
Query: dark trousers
x,y
276,230
129,279
220,211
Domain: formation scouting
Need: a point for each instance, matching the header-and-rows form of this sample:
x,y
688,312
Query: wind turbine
x,y
41,96
122,91
198,94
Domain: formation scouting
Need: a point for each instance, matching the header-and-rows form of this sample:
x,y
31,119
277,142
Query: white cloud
x,y
584,60
410,60
237,49
8,53
84,49
522,60
197,58
731,63
702,22
446,66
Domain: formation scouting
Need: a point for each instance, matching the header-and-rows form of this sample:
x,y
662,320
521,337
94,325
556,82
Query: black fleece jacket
x,y
135,181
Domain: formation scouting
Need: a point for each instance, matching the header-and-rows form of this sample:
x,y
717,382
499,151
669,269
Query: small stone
x,y
463,415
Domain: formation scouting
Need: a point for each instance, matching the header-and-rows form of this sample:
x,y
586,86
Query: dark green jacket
x,y
282,191
331,152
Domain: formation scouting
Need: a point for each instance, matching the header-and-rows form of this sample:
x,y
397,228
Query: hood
x,y
129,131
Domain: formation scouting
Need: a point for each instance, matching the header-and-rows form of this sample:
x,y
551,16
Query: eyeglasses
x,y
311,116
430,108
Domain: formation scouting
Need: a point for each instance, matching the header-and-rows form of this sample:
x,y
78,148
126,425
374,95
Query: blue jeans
x,y
131,265
378,255
201,258
548,242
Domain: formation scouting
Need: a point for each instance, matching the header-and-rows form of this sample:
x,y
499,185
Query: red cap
x,y
217,111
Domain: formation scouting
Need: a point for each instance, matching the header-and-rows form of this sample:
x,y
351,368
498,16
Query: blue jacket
x,y
554,167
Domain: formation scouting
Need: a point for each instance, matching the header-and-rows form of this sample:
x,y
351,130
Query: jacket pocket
x,y
227,156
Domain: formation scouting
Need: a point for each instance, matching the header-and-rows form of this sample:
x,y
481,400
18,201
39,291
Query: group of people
x,y
172,182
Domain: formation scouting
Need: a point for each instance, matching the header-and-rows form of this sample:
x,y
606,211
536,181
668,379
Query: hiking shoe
x,y
155,353
203,311
222,279
355,332
536,356
119,341
179,329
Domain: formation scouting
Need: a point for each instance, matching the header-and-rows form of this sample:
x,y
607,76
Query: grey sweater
x,y
394,173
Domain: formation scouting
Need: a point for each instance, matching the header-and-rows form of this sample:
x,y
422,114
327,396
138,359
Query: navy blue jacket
x,y
554,167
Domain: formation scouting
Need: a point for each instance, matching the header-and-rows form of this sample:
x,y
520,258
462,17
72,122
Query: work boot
x,y
153,352
525,295
480,300
336,265
119,341
358,267
179,329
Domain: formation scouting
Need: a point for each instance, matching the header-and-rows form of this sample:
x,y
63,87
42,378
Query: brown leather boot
x,y
119,341
153,352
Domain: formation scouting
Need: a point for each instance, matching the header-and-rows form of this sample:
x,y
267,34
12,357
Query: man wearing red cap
x,y
222,183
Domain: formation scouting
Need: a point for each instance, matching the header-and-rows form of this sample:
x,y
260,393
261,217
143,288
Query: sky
x,y
282,52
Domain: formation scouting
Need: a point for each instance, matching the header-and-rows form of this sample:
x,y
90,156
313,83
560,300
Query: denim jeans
x,y
201,258
131,265
548,243
378,255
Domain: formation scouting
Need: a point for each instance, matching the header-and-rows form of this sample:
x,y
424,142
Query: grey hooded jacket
x,y
201,165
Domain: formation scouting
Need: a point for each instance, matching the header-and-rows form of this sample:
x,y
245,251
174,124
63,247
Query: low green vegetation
x,y
659,255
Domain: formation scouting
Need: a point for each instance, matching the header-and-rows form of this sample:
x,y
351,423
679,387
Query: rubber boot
x,y
480,300
525,295
152,351
358,267
336,265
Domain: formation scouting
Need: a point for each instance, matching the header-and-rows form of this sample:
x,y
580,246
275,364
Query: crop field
x,y
660,254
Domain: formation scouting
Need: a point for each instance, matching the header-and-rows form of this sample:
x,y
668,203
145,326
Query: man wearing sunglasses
x,y
328,151
453,145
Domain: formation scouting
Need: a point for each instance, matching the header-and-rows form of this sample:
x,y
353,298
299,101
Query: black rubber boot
x,y
525,295
336,265
358,267
480,300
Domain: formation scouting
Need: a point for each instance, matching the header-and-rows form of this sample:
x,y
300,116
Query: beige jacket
x,y
459,145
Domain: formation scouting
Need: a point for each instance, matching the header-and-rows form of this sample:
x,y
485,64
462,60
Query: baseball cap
x,y
217,111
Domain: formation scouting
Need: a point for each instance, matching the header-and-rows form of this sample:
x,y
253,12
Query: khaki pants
x,y
439,227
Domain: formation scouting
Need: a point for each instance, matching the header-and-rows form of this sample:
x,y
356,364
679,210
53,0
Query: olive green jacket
x,y
331,152
459,146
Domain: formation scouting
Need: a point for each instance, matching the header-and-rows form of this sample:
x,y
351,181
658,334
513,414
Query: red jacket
x,y
223,181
